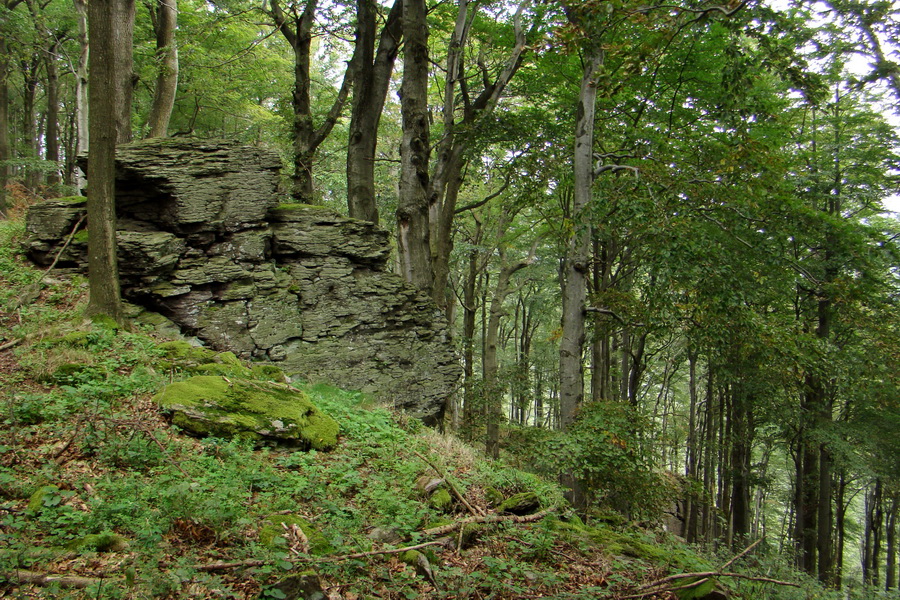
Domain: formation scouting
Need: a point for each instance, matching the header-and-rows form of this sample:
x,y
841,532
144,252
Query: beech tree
x,y
165,22
110,25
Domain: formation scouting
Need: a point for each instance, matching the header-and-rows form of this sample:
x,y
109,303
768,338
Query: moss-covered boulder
x,y
524,503
208,405
105,541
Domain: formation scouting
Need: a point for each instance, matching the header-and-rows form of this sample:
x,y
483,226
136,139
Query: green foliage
x,y
603,450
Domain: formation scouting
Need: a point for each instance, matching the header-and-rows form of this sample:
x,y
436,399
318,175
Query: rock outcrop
x,y
204,241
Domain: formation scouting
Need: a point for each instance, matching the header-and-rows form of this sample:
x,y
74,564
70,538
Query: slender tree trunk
x,y
51,142
741,450
370,87
413,229
297,30
839,525
890,571
166,23
470,314
443,188
111,26
493,391
574,280
29,126
5,153
124,68
81,91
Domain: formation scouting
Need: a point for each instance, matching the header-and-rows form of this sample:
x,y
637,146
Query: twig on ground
x,y
11,343
45,579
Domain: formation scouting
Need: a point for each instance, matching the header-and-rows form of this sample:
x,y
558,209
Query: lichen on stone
x,y
260,411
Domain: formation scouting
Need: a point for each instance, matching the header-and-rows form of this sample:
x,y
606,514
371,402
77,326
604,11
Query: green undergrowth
x,y
96,484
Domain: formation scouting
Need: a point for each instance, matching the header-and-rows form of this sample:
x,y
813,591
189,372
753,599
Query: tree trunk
x,y
166,22
492,390
81,91
575,271
413,230
5,154
111,24
890,571
443,188
29,135
370,86
124,80
52,137
470,313
306,137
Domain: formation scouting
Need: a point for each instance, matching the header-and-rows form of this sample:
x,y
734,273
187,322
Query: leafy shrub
x,y
603,450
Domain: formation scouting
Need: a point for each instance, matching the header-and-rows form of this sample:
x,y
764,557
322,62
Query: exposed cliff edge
x,y
203,241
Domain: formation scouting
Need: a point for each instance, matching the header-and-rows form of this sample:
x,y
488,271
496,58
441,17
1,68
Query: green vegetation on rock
x,y
260,411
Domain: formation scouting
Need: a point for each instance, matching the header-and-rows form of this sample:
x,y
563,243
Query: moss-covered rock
x,y
441,499
261,411
276,526
493,496
105,541
68,372
520,504
183,353
267,372
42,497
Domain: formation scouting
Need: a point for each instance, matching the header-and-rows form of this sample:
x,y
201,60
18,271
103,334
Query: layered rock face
x,y
203,240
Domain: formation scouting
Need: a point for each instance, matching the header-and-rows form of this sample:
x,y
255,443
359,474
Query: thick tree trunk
x,y
166,23
370,86
413,229
111,26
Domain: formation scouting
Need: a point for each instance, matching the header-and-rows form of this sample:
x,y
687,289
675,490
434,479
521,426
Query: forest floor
x,y
101,497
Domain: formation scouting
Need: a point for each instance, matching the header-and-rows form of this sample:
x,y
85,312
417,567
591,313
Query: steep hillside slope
x,y
102,497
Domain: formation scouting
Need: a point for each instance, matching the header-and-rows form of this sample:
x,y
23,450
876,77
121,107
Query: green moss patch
x,y
106,541
207,405
277,525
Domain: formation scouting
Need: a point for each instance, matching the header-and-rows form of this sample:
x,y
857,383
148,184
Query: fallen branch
x,y
12,343
453,489
659,586
445,529
45,579
225,566
742,554
374,552
66,245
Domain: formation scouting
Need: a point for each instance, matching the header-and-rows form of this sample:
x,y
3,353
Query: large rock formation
x,y
204,241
